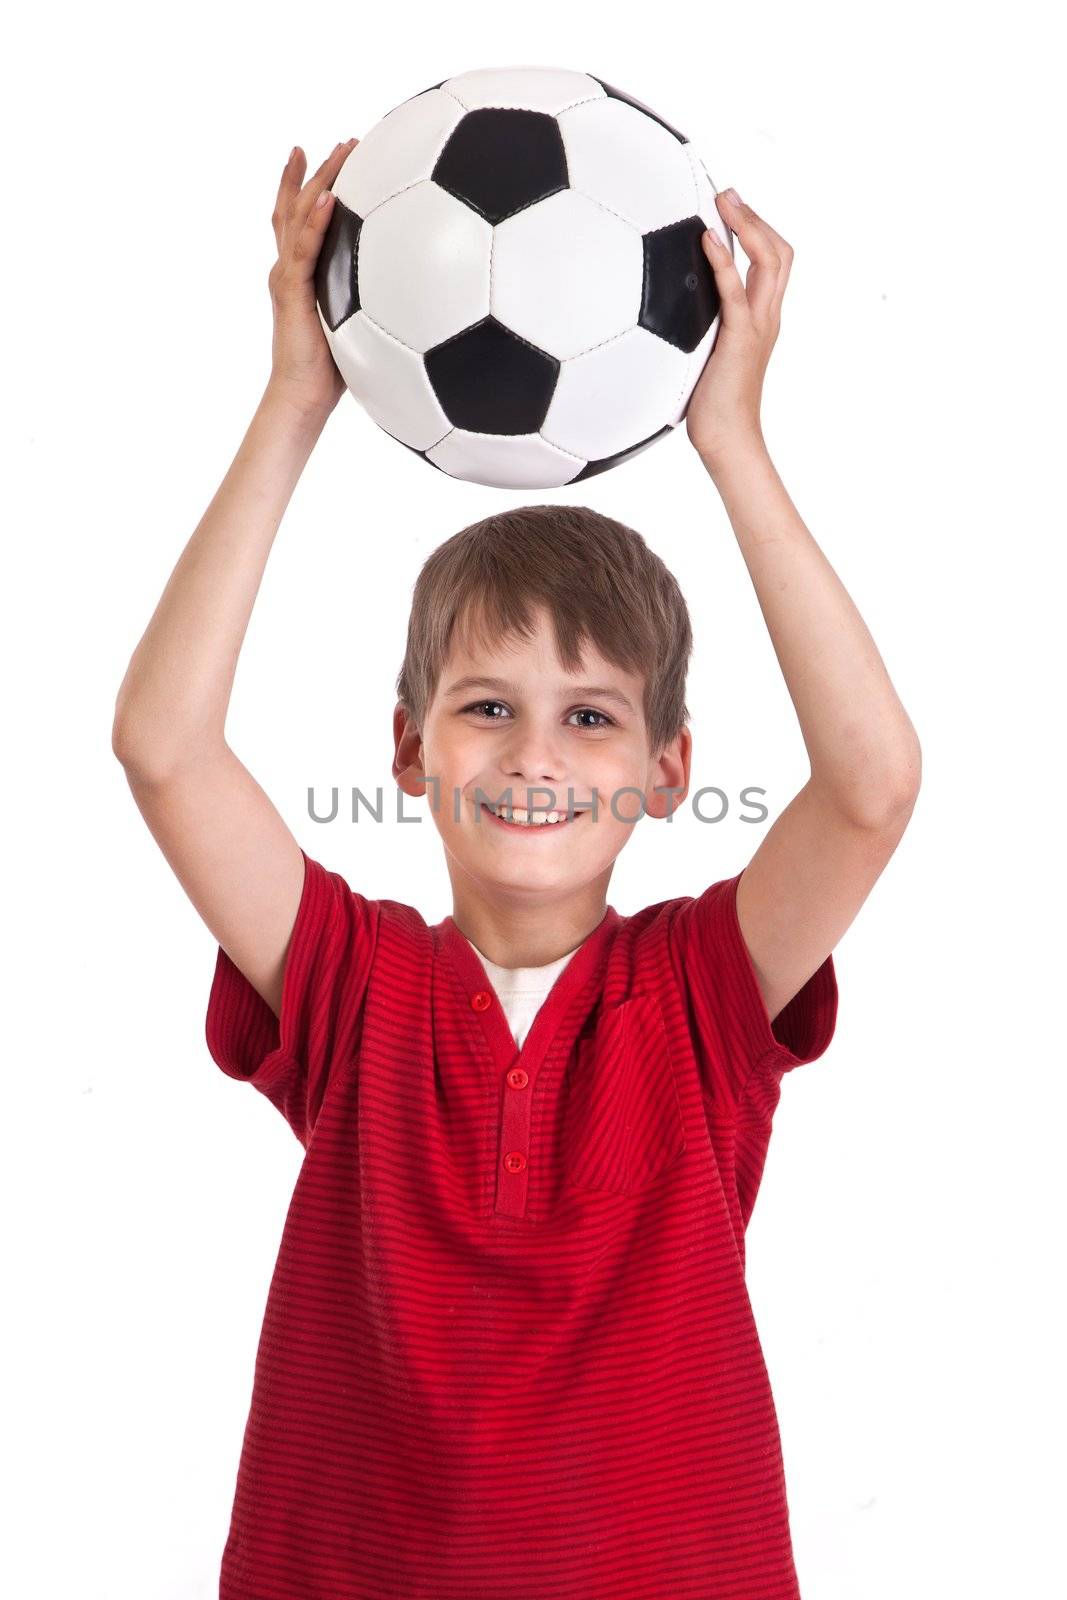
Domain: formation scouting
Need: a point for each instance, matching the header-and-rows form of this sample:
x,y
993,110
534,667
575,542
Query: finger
x,y
288,189
732,296
308,243
294,202
785,257
762,285
322,179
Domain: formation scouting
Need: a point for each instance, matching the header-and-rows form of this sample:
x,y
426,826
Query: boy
x,y
508,1348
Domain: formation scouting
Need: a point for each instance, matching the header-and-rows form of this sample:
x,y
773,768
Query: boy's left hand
x,y
724,409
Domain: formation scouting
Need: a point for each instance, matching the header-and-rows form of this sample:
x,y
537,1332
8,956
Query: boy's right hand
x,y
302,367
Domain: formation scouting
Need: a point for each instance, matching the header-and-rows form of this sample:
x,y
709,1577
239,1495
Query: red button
x,y
517,1078
482,1000
515,1161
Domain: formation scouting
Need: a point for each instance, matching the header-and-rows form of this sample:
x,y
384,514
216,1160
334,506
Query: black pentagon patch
x,y
591,468
617,94
679,298
499,162
488,380
336,274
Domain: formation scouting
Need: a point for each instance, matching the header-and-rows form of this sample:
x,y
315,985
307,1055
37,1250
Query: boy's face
x,y
537,738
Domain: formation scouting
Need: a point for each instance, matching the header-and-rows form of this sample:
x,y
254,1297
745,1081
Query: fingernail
x,y
713,238
292,152
324,198
733,197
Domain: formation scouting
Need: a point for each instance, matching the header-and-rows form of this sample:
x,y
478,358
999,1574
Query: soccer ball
x,y
512,282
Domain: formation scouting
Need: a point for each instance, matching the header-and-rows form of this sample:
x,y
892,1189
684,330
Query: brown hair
x,y
598,580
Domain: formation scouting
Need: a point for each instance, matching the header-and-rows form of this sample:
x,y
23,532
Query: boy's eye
x,y
479,706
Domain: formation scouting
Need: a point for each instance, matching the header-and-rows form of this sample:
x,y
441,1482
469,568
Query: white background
x,y
905,1256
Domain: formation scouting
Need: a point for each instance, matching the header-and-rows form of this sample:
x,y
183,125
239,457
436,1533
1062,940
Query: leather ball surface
x,y
512,282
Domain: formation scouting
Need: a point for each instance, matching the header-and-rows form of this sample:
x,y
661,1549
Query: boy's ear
x,y
408,769
670,772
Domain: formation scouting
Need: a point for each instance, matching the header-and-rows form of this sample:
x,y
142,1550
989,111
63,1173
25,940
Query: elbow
x,y
120,747
888,806
897,809
138,741
150,758
908,776
126,744
122,733
135,762
138,756
881,801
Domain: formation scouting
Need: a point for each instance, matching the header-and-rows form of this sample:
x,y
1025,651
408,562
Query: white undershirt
x,y
522,990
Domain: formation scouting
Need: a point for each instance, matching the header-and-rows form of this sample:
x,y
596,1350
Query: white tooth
x,y
536,819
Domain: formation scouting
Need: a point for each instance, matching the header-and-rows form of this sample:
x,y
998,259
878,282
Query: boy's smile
x,y
517,820
509,727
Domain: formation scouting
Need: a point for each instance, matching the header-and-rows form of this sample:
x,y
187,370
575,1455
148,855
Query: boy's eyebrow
x,y
503,686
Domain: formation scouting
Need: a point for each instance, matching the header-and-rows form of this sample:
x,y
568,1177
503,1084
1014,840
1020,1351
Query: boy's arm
x,y
230,849
228,846
822,856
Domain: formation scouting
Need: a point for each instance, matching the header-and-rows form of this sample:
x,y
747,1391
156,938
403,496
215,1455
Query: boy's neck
x,y
531,935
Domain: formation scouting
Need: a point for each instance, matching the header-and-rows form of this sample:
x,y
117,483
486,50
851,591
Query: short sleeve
x,y
733,1033
292,1058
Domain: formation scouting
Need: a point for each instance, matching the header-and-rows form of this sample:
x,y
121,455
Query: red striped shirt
x,y
508,1350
